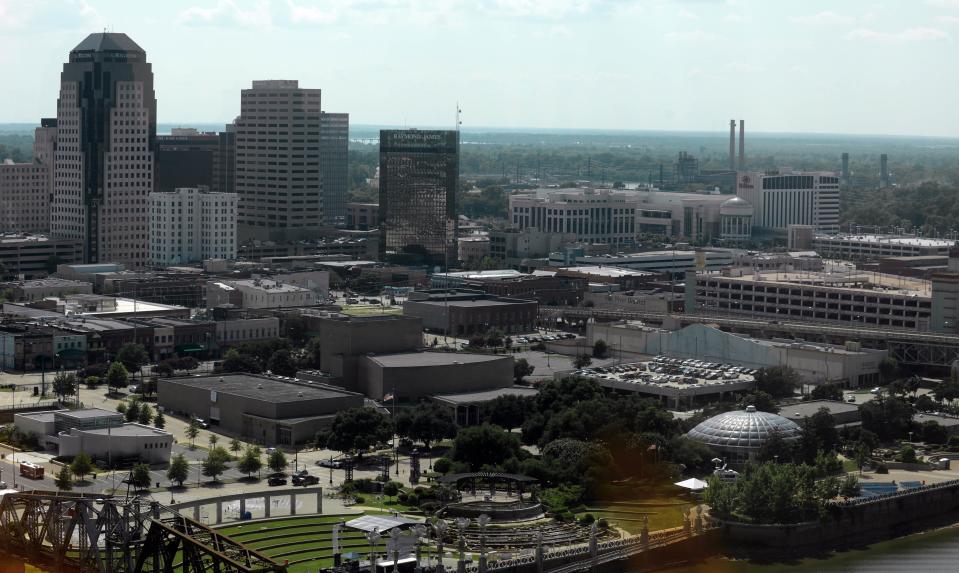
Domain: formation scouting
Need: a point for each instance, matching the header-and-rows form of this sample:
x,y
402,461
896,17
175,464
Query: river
x,y
933,551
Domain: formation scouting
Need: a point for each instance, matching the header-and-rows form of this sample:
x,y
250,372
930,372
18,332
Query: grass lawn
x,y
663,512
371,310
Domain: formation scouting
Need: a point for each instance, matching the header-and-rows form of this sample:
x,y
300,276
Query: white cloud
x,y
300,13
920,34
733,17
825,18
943,3
697,35
253,14
948,19
686,14
539,8
14,14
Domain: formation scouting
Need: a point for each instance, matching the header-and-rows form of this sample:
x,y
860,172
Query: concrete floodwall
x,y
881,517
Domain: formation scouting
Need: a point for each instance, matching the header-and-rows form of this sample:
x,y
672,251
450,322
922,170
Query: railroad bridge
x,y
106,534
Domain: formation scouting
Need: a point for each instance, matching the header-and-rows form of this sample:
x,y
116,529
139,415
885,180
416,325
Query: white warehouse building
x,y
190,225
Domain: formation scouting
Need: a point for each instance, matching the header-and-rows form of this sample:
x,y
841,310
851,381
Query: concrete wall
x,y
877,518
342,342
420,381
28,425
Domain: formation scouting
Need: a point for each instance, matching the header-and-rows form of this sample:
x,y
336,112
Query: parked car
x,y
203,423
335,464
850,397
276,480
304,479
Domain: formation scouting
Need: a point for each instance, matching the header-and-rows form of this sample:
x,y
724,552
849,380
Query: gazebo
x,y
491,479
502,495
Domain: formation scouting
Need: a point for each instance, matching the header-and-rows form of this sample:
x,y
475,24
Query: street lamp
x,y
373,537
461,524
420,531
483,520
440,526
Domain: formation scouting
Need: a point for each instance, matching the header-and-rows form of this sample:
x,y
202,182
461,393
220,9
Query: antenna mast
x,y
459,122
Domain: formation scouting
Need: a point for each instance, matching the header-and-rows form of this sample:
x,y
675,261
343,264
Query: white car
x,y
875,390
850,397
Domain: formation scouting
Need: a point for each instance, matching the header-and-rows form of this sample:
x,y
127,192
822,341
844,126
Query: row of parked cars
x,y
301,478
545,338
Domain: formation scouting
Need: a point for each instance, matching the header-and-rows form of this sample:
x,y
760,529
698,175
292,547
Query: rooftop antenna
x,y
459,122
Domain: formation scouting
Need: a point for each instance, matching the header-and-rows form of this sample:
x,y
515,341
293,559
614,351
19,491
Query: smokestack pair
x,y
732,145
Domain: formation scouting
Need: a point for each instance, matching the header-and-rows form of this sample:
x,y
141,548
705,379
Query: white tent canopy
x,y
692,484
380,523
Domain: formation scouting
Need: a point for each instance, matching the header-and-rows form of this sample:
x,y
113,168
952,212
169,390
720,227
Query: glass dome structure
x,y
743,431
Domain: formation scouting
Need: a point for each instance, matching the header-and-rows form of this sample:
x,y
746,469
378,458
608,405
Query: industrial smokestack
x,y
742,145
732,145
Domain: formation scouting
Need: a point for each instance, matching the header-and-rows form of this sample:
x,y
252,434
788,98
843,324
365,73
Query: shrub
x,y
908,455
403,497
430,506
442,465
587,519
882,469
603,524
359,499
412,499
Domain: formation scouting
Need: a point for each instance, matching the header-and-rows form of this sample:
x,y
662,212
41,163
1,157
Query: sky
x,y
856,66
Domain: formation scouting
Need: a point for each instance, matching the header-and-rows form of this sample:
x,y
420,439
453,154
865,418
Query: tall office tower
x,y
844,175
224,161
883,171
189,225
795,198
45,142
334,164
185,159
106,121
419,172
278,162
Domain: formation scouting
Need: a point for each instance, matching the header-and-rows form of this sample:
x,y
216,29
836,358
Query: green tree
x,y
358,429
192,431
600,348
250,461
213,439
887,417
133,356
850,487
826,392
159,421
65,384
888,369
234,361
392,488
64,479
179,470
427,422
776,449
282,364
482,445
819,435
91,381
235,446
117,377
521,369
582,361
762,401
81,465
778,381
132,412
140,476
146,415
276,461
215,463
507,411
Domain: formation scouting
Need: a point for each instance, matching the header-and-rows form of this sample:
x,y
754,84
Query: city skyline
x,y
676,66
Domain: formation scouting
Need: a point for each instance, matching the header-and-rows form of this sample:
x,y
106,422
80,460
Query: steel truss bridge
x,y
906,346
105,534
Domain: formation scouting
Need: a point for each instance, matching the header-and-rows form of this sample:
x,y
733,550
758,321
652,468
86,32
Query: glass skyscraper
x,y
419,171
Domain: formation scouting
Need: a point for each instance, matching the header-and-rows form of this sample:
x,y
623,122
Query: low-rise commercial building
x,y
675,262
871,247
410,376
345,340
101,434
850,366
472,249
842,413
466,408
36,256
601,278
519,248
259,408
465,312
39,289
258,293
545,287
851,297
362,216
190,224
231,332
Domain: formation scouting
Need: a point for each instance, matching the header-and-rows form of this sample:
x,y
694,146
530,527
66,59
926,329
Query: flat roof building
x,y
262,408
842,413
871,247
413,375
466,407
792,198
465,312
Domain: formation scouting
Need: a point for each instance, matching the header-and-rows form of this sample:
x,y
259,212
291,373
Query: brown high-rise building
x,y
278,176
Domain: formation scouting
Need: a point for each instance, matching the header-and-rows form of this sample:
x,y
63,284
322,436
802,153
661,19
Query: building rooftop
x,y
107,42
418,359
802,410
88,413
743,429
612,272
48,282
264,388
47,416
128,430
889,240
485,396
267,285
875,284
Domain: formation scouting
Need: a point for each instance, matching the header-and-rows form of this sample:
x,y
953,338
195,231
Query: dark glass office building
x,y
185,159
106,148
419,171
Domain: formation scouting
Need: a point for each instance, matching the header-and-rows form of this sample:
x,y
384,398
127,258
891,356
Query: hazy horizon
x,y
859,68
